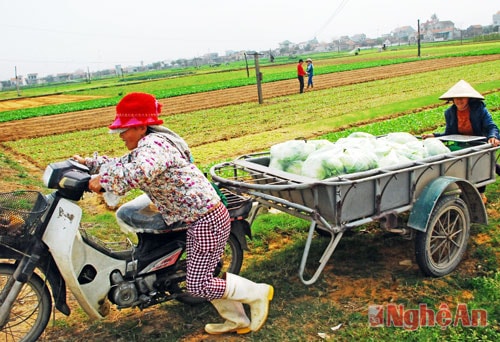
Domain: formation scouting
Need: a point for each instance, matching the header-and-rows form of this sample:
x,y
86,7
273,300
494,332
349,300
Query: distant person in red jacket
x,y
300,74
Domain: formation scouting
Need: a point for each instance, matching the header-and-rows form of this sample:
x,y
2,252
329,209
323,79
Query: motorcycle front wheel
x,y
31,310
231,262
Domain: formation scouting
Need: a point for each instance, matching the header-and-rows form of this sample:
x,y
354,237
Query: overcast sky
x,y
53,36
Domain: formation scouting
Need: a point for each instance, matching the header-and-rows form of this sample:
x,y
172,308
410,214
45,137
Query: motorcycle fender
x,y
71,254
240,229
57,285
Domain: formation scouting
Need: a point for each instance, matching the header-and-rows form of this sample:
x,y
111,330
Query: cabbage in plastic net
x,y
289,155
321,159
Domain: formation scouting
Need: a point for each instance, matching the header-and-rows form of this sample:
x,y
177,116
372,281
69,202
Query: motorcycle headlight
x,y
48,177
59,171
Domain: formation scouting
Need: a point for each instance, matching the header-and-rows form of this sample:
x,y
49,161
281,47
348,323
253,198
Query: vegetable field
x,y
370,267
75,121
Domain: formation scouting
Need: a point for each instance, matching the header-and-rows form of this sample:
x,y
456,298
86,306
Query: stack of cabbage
x,y
360,151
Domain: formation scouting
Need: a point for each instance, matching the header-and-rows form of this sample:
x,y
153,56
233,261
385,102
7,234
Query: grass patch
x,y
13,172
365,269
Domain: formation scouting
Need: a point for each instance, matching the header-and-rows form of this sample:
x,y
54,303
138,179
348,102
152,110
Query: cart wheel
x,y
440,248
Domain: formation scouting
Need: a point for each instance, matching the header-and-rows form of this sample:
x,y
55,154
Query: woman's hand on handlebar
x,y
95,184
95,181
79,159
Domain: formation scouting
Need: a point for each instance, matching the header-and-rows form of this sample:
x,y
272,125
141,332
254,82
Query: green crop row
x,y
216,134
203,81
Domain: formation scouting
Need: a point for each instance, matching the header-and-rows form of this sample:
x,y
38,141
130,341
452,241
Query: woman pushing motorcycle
x,y
160,164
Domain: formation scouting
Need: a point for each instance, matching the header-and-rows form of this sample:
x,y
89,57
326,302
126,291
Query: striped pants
x,y
206,240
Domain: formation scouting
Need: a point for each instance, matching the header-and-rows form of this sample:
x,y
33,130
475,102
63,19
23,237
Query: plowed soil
x,y
37,101
83,120
352,284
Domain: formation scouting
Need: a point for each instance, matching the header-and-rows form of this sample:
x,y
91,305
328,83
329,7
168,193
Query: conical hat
x,y
461,89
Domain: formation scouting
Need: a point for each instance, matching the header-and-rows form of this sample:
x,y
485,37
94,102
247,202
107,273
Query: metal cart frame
x,y
337,204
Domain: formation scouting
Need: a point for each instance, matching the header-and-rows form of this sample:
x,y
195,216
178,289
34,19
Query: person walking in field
x,y
300,75
159,163
310,72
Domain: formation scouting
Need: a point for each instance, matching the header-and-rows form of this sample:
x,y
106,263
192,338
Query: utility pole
x,y
17,81
259,77
246,63
418,38
88,75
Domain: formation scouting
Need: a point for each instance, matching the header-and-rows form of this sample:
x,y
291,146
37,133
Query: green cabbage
x,y
324,163
434,146
357,159
321,159
289,155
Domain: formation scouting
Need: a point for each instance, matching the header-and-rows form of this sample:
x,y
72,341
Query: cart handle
x,y
334,241
314,217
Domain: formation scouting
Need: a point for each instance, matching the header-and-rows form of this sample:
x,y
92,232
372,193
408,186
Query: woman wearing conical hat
x,y
468,116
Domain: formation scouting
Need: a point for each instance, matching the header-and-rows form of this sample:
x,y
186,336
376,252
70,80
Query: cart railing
x,y
346,199
340,203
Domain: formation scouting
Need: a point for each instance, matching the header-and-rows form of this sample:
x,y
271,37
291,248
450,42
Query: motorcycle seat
x,y
145,220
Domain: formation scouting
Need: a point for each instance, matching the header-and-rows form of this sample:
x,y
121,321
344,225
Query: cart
x,y
433,200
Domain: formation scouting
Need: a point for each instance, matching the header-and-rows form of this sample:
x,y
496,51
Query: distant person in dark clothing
x,y
300,74
310,72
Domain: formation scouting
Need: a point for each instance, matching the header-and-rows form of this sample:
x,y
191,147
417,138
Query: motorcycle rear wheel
x,y
231,262
31,310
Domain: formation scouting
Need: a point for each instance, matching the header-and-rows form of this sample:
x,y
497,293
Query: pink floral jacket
x,y
175,185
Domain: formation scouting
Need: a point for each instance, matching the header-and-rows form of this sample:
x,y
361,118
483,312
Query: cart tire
x,y
441,247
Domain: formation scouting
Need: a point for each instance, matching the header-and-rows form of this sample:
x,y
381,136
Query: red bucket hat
x,y
136,109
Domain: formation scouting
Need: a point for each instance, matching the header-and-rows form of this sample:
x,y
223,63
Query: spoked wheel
x,y
230,262
31,310
441,247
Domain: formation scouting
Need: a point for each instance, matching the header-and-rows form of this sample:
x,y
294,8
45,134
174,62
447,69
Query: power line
x,y
339,8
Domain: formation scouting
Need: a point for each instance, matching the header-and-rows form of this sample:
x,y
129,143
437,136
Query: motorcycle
x,y
44,252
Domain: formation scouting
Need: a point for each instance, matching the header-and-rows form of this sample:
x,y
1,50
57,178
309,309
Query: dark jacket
x,y
481,121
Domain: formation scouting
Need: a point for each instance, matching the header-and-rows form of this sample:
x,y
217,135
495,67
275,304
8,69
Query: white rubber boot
x,y
235,316
256,295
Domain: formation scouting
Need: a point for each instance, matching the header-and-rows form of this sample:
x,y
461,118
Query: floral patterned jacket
x,y
176,186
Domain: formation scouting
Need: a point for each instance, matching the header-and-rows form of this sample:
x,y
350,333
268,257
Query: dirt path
x,y
83,120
